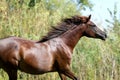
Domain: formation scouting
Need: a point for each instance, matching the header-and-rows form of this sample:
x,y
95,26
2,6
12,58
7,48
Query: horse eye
x,y
93,25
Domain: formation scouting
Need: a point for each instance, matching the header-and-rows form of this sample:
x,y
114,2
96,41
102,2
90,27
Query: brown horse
x,y
53,53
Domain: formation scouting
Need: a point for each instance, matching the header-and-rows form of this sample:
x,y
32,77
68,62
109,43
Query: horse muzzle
x,y
102,36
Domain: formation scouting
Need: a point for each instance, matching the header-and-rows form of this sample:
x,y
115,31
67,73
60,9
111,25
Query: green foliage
x,y
24,20
82,4
92,59
115,20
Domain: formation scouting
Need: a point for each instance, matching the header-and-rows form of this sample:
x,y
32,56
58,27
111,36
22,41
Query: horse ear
x,y
89,17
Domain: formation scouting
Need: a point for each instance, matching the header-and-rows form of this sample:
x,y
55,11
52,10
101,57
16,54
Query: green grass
x,y
93,59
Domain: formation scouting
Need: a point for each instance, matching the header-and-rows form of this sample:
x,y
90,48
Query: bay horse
x,y
53,53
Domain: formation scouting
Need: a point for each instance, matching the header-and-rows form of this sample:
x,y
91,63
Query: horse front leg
x,y
62,76
12,74
69,74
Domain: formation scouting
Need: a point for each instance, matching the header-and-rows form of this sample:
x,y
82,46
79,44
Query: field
x,y
93,59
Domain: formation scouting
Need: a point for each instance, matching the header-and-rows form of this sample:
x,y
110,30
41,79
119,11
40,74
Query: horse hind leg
x,y
12,74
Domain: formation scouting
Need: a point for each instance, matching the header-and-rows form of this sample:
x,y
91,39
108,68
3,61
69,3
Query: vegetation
x,y
92,59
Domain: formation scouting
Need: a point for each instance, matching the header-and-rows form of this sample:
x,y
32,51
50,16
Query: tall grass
x,y
92,59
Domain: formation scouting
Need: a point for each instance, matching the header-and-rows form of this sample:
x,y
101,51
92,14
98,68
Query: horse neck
x,y
72,36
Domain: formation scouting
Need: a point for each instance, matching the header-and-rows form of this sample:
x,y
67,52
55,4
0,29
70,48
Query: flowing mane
x,y
62,27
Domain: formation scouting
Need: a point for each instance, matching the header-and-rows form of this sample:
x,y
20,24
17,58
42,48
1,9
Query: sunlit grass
x,y
92,59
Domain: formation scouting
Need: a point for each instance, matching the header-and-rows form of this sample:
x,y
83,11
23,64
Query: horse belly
x,y
37,61
37,67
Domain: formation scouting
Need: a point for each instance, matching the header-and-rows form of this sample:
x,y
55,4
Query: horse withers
x,y
53,53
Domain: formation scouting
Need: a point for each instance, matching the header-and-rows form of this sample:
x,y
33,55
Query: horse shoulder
x,y
63,53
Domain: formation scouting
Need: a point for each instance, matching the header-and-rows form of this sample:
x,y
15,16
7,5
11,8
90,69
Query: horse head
x,y
92,30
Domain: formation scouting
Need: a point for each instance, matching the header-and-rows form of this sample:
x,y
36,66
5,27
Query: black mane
x,y
61,28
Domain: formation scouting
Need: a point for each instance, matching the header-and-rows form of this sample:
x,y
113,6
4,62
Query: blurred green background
x,y
31,19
